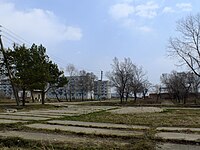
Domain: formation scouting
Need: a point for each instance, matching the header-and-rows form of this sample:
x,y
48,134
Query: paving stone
x,y
177,129
94,124
5,121
84,130
179,136
22,117
170,146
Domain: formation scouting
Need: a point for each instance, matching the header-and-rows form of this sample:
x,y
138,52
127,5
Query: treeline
x,y
181,85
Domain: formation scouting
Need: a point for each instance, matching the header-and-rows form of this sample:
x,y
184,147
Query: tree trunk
x,y
91,97
32,96
15,92
66,98
70,96
135,96
56,95
23,97
127,96
121,99
184,100
82,96
43,96
144,95
178,99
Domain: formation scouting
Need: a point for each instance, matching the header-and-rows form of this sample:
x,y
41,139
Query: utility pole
x,y
101,75
9,72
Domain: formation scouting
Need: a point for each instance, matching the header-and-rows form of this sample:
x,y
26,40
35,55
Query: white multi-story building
x,y
102,89
5,88
76,89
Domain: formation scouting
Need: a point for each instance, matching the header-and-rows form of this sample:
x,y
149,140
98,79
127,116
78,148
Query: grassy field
x,y
169,117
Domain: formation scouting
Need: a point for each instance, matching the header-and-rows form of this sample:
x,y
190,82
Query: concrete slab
x,y
96,131
13,117
178,136
177,129
98,125
56,113
136,110
5,121
59,138
70,111
183,108
26,114
170,146
33,115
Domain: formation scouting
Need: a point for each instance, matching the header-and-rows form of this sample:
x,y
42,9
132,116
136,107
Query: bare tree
x,y
92,77
178,85
121,75
186,45
86,83
146,85
72,71
138,81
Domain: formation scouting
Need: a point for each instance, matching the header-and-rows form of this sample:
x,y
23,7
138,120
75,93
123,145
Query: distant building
x,y
61,93
5,88
74,90
102,89
78,90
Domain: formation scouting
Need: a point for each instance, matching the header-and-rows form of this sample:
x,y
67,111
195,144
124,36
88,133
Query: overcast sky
x,y
90,33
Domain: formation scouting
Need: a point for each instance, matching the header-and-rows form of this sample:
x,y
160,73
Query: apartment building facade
x,y
5,88
102,89
80,90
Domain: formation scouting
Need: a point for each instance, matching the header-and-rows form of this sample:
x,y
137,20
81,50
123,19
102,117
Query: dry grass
x,y
170,117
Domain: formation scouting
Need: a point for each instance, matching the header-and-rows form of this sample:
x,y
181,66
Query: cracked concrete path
x,y
177,129
60,138
71,110
178,136
27,114
6,121
84,130
171,146
27,118
98,125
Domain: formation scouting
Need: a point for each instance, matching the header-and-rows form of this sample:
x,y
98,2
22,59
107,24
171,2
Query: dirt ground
x,y
53,127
